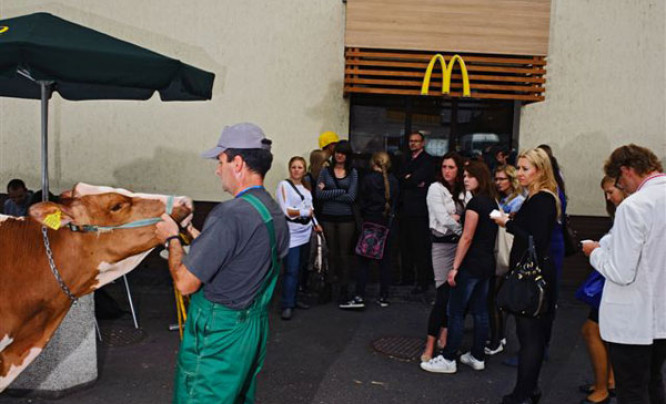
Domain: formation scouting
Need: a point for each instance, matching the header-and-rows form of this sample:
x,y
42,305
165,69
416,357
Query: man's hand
x,y
166,228
321,186
590,246
318,229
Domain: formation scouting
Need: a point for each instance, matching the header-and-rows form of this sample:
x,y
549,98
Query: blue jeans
x,y
472,292
290,280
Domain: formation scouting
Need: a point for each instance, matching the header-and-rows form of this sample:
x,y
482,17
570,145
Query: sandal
x,y
589,389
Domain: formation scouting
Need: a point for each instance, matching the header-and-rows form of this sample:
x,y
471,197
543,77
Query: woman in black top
x,y
377,196
535,218
337,187
473,266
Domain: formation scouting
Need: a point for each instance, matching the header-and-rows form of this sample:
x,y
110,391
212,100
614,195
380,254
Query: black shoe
x,y
589,389
383,302
536,396
302,306
355,303
510,399
604,401
287,313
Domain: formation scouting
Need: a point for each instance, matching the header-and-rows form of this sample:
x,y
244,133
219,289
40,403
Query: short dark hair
x,y
257,160
641,159
417,133
16,184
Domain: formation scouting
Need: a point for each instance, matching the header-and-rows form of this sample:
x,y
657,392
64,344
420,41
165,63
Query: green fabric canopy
x,y
84,64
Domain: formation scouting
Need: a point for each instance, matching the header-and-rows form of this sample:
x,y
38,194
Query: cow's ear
x,y
50,214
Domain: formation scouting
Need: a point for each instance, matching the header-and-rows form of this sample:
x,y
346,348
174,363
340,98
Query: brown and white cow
x,y
32,303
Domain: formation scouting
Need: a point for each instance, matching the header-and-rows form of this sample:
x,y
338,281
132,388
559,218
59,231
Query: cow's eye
x,y
116,207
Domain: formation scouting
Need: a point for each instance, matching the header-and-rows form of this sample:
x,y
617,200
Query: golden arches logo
x,y
3,29
447,72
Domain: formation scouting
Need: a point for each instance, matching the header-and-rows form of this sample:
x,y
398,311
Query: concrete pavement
x,y
323,355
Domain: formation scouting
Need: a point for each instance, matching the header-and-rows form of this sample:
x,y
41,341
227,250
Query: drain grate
x,y
401,348
117,336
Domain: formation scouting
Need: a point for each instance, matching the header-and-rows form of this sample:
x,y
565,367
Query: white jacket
x,y
441,208
632,258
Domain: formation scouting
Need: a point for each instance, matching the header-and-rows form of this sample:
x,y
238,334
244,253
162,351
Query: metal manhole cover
x,y
402,348
121,336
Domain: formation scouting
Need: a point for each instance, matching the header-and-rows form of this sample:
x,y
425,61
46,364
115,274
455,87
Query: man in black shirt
x,y
417,173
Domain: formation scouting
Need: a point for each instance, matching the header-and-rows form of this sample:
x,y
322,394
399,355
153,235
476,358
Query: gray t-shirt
x,y
232,256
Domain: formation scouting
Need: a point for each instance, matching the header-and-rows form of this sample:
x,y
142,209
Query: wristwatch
x,y
167,242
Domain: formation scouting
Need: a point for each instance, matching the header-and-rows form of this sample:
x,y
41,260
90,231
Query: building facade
x,y
584,77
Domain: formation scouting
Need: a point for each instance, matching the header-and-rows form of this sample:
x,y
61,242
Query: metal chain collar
x,y
54,270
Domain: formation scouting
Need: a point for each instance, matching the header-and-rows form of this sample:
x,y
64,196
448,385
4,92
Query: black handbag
x,y
524,289
571,245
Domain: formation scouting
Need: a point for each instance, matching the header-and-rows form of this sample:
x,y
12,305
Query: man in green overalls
x,y
230,271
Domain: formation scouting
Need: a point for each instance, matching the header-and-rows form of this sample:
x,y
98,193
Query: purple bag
x,y
372,241
590,291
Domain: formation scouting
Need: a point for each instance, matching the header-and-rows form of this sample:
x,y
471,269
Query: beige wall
x,y
277,63
280,64
606,87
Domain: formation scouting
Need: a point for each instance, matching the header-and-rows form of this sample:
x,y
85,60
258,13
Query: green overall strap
x,y
268,221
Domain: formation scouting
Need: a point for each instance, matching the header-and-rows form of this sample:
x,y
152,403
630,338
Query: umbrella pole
x,y
46,94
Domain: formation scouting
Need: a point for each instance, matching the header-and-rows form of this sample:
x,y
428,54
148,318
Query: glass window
x,y
471,127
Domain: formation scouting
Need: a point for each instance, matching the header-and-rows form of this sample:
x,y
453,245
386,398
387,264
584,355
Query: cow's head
x,y
120,219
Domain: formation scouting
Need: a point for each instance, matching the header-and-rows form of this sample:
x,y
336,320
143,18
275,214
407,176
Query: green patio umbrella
x,y
41,53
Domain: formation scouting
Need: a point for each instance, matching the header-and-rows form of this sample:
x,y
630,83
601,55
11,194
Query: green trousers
x,y
222,352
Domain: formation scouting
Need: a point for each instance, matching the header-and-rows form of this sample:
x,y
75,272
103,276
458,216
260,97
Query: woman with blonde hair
x,y
377,195
510,200
536,218
510,192
295,199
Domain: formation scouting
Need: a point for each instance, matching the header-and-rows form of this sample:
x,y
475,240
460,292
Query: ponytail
x,y
383,161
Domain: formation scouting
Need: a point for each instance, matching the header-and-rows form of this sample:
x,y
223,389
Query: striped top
x,y
338,195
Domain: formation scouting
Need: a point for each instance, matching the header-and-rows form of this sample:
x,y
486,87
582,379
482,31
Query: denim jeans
x,y
292,263
473,293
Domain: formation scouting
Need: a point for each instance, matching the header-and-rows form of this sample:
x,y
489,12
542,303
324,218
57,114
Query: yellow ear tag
x,y
53,220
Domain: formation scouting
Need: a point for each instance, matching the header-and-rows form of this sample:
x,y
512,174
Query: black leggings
x,y
438,316
532,336
497,320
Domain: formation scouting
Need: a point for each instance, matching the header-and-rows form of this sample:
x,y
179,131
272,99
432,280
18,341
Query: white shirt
x,y
441,208
632,258
287,197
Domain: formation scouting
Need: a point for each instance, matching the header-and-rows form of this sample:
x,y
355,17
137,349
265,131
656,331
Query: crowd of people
x,y
439,210
448,217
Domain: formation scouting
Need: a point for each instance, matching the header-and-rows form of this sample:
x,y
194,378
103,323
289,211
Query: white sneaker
x,y
439,364
493,351
469,360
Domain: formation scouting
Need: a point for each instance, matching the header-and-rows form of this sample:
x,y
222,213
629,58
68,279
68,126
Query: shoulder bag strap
x,y
296,189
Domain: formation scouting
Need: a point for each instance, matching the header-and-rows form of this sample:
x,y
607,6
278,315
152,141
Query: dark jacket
x,y
413,190
373,198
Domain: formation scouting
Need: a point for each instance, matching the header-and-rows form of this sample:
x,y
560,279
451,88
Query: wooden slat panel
x,y
497,96
437,85
470,67
514,27
402,72
537,61
472,77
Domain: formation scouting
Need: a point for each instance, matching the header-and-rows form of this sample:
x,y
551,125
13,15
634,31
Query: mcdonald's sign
x,y
447,72
3,29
